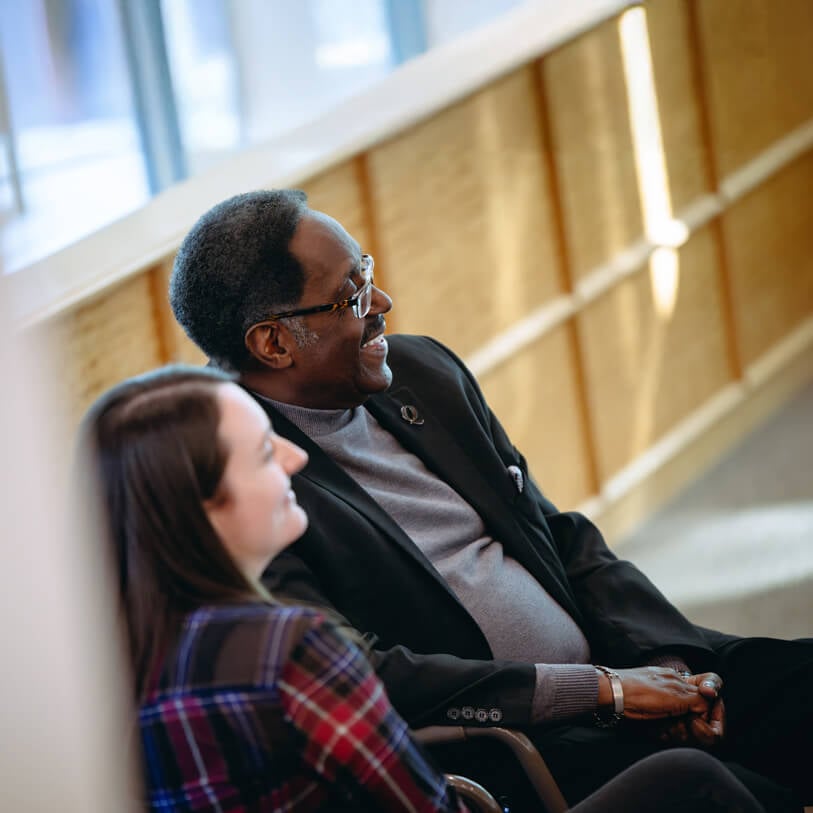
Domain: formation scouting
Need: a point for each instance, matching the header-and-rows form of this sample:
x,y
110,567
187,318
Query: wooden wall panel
x,y
338,192
769,238
463,216
646,370
592,147
757,57
536,397
103,342
458,211
678,104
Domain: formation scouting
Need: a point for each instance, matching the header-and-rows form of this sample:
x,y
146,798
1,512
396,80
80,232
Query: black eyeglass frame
x,y
367,266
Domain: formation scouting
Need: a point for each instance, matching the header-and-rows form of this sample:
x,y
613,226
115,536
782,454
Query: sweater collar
x,y
315,423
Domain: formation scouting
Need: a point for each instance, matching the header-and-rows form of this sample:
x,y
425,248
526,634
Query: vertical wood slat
x,y
652,360
700,80
574,337
592,147
162,314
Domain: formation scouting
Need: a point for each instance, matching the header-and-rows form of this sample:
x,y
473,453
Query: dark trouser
x,y
769,705
768,691
676,781
583,760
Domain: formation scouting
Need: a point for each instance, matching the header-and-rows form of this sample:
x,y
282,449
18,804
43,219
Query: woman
x,y
243,704
246,704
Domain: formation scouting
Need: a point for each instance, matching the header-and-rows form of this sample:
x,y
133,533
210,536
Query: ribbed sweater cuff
x,y
564,690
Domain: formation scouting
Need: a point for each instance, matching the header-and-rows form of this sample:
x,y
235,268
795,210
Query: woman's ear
x,y
268,342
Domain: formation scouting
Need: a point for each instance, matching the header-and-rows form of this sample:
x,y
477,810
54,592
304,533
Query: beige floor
x,y
735,550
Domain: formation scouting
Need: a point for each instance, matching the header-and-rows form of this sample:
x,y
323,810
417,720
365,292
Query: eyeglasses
x,y
359,303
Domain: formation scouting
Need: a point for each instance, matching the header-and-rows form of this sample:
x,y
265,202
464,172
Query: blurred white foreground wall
x,y
63,731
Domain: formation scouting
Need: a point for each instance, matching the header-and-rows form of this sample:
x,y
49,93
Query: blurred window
x,y
447,19
70,142
204,73
103,102
295,60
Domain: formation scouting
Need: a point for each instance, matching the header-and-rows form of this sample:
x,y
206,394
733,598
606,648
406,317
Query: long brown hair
x,y
152,450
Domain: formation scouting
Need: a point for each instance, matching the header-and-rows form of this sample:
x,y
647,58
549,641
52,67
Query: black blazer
x,y
428,650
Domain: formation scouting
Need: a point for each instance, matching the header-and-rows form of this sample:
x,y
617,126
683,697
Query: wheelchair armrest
x,y
474,794
529,758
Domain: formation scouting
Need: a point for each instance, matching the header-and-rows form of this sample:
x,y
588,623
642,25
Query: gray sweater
x,y
518,617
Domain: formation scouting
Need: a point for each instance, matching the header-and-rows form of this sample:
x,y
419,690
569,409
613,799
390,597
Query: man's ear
x,y
269,343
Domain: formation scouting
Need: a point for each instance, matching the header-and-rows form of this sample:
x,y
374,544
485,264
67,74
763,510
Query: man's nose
x,y
381,302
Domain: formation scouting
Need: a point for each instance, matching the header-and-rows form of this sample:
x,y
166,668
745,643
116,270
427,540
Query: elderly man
x,y
483,603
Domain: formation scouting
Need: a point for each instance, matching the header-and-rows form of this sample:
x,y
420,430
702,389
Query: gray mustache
x,y
376,327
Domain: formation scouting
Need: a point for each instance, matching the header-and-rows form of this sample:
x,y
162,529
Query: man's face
x,y
348,360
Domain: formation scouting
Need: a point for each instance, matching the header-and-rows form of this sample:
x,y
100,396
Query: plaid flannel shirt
x,y
263,708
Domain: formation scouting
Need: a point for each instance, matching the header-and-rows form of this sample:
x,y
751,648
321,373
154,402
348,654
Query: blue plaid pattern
x,y
260,708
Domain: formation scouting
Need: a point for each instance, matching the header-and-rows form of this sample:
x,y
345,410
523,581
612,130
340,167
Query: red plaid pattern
x,y
263,708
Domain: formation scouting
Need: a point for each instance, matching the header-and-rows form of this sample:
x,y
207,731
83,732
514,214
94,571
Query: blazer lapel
x,y
487,487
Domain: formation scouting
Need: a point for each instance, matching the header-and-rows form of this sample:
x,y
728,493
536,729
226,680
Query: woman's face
x,y
254,512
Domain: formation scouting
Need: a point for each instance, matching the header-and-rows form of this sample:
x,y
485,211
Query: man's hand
x,y
706,729
654,692
710,731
